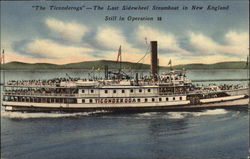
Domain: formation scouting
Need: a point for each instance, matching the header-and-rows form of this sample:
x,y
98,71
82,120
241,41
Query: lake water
x,y
208,134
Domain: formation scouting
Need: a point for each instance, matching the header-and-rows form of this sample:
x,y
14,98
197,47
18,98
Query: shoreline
x,y
56,69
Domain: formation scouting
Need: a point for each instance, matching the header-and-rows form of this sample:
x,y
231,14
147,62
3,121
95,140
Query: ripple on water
x,y
27,115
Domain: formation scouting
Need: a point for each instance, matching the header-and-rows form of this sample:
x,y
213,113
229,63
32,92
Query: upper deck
x,y
167,78
168,83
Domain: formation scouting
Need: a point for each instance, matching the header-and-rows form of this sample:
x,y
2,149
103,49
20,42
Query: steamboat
x,y
121,92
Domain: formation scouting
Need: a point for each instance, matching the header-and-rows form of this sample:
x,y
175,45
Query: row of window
x,y
115,91
128,100
91,91
40,100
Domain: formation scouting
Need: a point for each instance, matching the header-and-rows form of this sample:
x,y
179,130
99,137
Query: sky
x,y
69,36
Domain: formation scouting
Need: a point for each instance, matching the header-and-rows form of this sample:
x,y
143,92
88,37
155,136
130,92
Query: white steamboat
x,y
119,92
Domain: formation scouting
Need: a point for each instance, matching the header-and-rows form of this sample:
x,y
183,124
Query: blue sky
x,y
185,37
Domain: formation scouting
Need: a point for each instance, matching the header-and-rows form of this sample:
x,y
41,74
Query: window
x,y
146,100
153,99
160,99
138,100
166,99
114,91
140,90
123,91
131,90
83,101
83,91
91,101
149,90
180,98
92,91
106,91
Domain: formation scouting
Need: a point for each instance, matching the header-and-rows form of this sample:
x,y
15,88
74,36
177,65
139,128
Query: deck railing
x,y
39,94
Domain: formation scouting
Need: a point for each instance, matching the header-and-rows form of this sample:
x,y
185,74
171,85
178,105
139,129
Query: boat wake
x,y
146,115
176,115
211,112
182,115
25,115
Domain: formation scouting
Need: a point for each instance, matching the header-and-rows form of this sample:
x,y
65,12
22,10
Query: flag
x,y
170,62
119,54
247,60
130,69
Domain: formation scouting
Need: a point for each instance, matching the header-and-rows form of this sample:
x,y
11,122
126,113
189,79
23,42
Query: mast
x,y
248,73
248,76
119,58
120,51
170,63
3,59
3,69
2,62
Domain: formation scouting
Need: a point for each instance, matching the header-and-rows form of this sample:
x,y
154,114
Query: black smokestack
x,y
154,59
106,71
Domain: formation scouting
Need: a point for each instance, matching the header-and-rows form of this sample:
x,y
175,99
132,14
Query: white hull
x,y
213,102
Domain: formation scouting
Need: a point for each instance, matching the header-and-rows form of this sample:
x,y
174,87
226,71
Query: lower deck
x,y
231,103
29,106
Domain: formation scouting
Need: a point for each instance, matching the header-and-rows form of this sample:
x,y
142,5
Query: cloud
x,y
48,49
238,41
167,42
68,31
110,38
236,44
202,43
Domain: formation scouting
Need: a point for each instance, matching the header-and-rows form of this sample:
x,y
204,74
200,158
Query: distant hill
x,y
28,66
220,65
102,63
113,64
